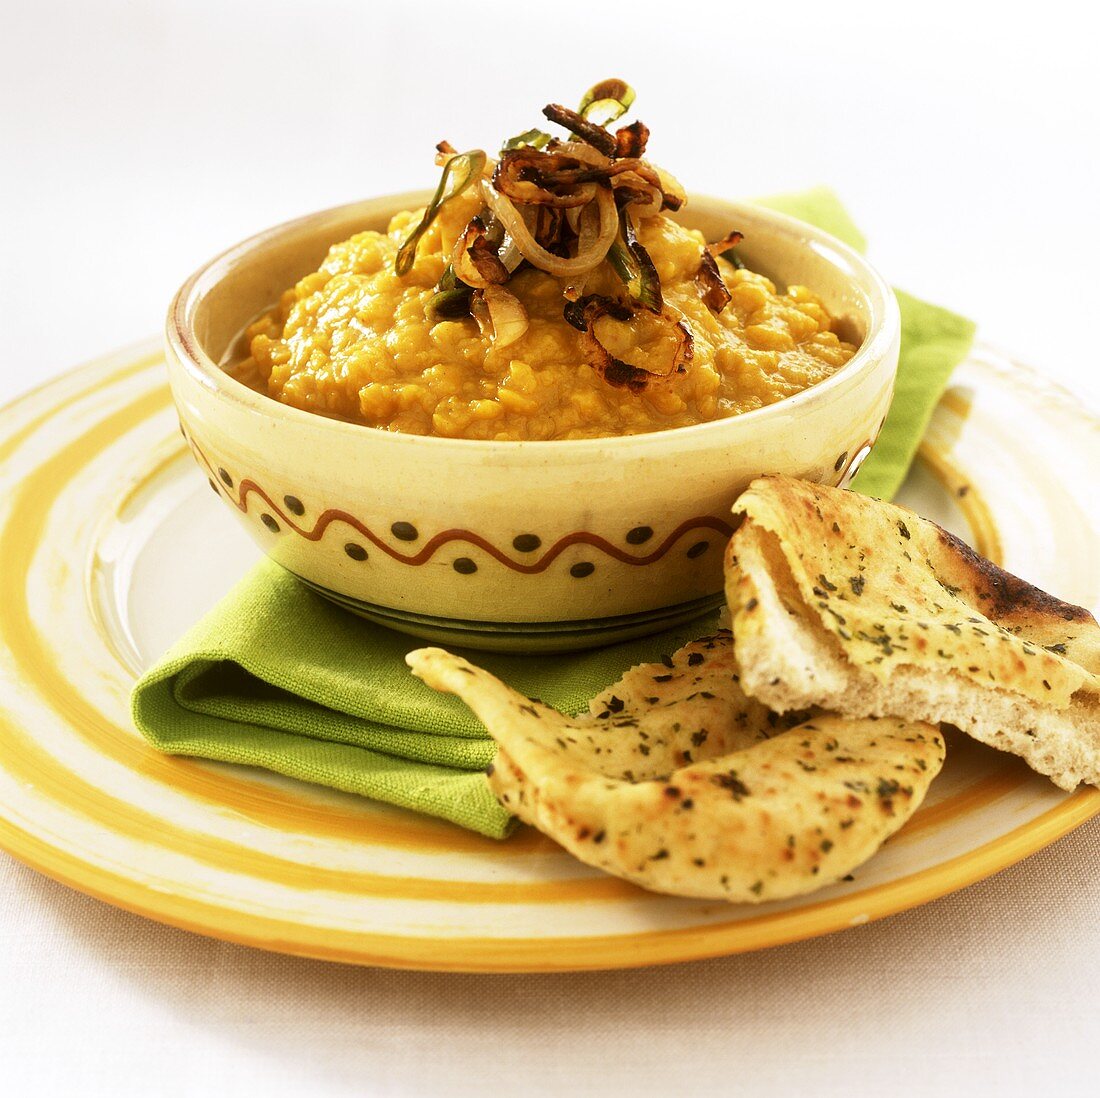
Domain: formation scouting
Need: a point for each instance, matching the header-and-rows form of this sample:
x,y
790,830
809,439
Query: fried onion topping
x,y
716,295
585,313
565,206
594,135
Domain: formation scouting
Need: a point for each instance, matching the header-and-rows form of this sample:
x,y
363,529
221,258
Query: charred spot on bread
x,y
1004,595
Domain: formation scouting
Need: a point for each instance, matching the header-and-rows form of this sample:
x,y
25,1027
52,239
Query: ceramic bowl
x,y
524,546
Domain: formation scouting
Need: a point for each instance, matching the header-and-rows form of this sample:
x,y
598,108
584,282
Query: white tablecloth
x,y
992,990
140,139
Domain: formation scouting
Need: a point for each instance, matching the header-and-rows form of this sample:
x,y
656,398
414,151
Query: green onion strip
x,y
458,173
606,101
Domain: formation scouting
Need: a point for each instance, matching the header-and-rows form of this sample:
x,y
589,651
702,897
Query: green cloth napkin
x,y
933,342
277,677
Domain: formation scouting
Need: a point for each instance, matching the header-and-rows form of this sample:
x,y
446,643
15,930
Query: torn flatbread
x,y
866,609
677,781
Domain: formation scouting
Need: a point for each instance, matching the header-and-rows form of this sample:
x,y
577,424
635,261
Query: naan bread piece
x,y
866,609
678,782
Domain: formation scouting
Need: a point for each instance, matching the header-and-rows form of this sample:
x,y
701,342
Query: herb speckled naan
x,y
677,781
864,608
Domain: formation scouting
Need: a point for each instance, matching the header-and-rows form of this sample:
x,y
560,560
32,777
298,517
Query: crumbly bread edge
x,y
789,662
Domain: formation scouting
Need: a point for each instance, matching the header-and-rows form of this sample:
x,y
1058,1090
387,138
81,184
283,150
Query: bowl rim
x,y
883,328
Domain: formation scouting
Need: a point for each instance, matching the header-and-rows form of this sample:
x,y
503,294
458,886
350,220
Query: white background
x,y
137,139
141,138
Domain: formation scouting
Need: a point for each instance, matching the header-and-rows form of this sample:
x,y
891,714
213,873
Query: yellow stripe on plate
x,y
30,762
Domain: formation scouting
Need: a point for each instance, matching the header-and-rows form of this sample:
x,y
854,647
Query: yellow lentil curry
x,y
475,318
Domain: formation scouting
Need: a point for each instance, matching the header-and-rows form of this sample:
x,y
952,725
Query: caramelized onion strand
x,y
536,254
583,315
712,286
594,135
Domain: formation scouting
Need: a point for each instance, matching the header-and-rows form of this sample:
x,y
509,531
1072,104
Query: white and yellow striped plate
x,y
111,544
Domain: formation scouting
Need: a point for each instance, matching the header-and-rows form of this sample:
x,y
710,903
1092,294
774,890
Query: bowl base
x,y
524,637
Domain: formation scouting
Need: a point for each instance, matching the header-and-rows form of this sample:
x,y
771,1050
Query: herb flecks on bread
x,y
677,781
866,609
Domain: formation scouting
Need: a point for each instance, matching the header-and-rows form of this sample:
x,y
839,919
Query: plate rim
x,y
545,954
594,953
